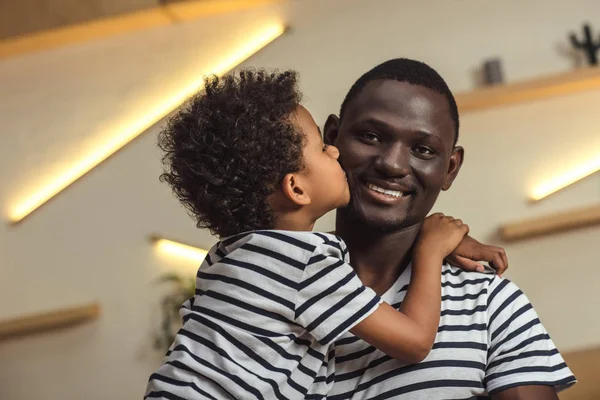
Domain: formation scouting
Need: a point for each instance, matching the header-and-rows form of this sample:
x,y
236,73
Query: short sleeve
x,y
331,299
520,350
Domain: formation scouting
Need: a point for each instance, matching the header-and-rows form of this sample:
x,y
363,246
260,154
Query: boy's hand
x,y
470,251
439,236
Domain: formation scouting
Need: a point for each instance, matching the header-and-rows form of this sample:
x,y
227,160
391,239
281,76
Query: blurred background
x,y
85,86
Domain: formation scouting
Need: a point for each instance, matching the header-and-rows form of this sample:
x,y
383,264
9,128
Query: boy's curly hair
x,y
228,149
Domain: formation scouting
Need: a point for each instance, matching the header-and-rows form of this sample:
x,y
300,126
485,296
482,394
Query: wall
x,y
90,243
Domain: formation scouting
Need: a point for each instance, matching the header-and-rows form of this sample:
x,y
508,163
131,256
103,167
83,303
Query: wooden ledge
x,y
549,86
163,15
553,223
585,365
48,321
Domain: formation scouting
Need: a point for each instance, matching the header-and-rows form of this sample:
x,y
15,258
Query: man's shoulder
x,y
458,280
489,285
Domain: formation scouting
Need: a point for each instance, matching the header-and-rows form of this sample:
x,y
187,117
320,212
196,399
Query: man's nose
x,y
393,161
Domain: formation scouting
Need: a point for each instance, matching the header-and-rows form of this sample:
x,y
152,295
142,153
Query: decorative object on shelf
x,y
588,44
492,71
182,288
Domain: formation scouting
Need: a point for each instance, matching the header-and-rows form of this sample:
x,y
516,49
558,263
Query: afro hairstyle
x,y
226,151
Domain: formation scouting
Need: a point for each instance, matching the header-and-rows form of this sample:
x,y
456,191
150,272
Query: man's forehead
x,y
389,93
398,97
396,103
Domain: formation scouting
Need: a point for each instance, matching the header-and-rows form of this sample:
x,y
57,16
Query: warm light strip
x,y
255,42
562,181
180,250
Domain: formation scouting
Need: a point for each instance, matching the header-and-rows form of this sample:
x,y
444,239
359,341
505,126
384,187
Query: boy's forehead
x,y
306,122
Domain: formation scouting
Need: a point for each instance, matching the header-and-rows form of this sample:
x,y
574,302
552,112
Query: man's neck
x,y
378,258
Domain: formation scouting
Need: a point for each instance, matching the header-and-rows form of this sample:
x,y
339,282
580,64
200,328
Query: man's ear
x,y
292,189
331,130
456,160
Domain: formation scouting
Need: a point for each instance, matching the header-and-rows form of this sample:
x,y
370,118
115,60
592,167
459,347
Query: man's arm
x,y
470,253
523,362
537,392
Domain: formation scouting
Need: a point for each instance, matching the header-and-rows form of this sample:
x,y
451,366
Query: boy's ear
x,y
331,129
293,190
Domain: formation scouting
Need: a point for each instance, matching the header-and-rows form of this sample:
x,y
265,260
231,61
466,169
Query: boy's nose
x,y
334,152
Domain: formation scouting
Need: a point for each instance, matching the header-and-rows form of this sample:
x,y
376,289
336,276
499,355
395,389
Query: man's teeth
x,y
395,193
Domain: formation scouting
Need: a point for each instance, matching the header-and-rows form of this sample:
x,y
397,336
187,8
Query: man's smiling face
x,y
396,143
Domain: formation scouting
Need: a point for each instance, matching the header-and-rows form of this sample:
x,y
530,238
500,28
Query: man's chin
x,y
374,220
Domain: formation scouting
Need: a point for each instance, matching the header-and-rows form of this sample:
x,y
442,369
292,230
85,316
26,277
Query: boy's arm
x,y
408,335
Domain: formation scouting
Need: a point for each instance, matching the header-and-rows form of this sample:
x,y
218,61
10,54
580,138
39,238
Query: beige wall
x,y
90,243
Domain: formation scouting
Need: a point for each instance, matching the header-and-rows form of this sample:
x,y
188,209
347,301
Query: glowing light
x,y
566,179
180,250
255,42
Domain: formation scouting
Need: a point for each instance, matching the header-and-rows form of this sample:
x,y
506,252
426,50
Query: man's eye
x,y
369,136
425,151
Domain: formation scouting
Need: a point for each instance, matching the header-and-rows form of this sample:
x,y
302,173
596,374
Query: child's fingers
x,y
464,229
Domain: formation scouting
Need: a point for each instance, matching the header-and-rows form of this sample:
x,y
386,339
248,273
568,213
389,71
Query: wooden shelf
x,y
163,15
518,92
48,321
553,223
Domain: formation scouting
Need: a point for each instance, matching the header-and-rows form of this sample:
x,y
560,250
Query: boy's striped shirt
x,y
267,309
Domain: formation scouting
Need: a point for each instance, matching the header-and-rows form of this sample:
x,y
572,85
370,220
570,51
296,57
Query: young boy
x,y
249,163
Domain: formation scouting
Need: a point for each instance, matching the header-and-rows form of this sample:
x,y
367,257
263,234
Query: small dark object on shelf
x,y
492,71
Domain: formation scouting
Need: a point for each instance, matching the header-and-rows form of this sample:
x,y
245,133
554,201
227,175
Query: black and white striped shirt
x,y
267,309
489,339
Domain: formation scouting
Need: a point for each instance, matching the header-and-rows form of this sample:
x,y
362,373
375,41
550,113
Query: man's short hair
x,y
410,71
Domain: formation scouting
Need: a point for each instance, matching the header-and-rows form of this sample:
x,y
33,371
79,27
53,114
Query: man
x,y
397,134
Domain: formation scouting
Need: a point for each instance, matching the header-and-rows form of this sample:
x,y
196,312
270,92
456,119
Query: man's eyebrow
x,y
375,122
425,134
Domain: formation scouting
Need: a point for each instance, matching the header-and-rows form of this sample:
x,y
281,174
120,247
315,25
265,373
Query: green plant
x,y
181,289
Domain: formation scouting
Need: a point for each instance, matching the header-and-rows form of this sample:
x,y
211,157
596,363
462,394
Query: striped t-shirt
x,y
267,309
489,339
